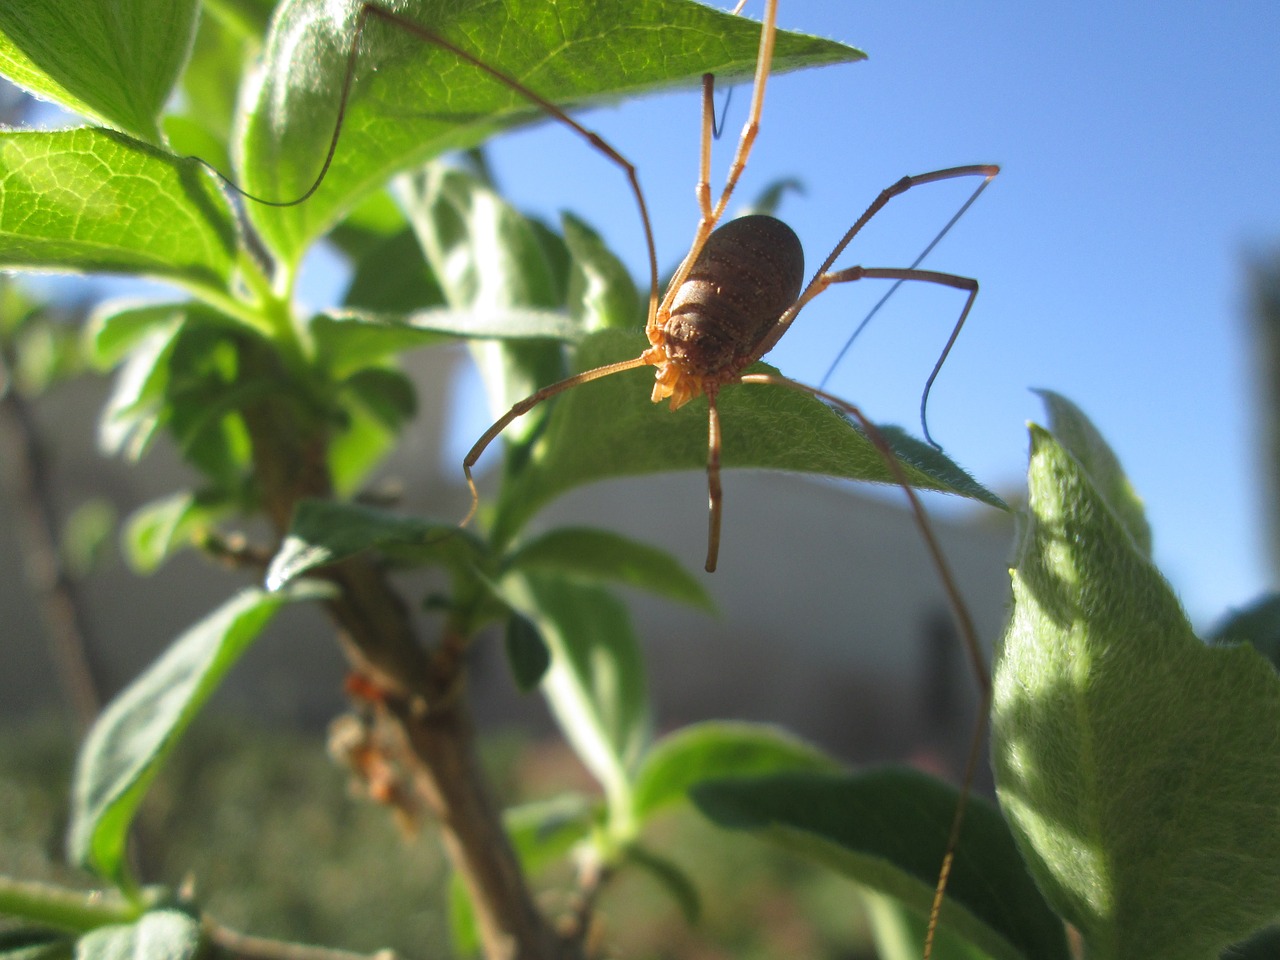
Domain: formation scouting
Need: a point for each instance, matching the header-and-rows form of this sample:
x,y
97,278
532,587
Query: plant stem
x,y
424,693
245,947
44,904
52,585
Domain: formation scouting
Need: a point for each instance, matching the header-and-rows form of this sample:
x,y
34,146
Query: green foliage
x,y
1134,762
133,737
888,829
113,60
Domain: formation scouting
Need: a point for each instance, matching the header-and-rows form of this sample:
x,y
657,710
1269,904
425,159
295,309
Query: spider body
x,y
748,274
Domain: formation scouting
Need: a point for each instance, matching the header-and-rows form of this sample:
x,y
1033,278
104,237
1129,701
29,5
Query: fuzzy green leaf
x,y
139,729
1138,767
157,529
900,932
390,273
93,200
1081,438
888,830
598,556
113,60
131,416
1258,624
413,100
670,877
114,328
157,935
609,428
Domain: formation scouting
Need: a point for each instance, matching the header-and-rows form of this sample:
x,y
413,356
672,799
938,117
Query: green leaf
x,y
888,830
900,932
139,729
1257,624
209,85
594,555
1137,766
526,652
596,683
413,100
132,413
610,428
601,291
718,750
355,450
92,200
671,877
392,276
490,259
113,60
157,935
351,340
324,532
115,327
1263,945
386,393
35,944
155,529
1081,438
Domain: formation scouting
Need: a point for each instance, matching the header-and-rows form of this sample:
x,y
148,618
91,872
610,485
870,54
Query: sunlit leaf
x,y
93,200
610,428
413,100
113,60
1137,765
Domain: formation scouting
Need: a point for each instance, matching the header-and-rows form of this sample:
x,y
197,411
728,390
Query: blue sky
x,y
1141,152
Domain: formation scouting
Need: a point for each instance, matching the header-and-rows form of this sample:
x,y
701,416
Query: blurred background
x,y
1128,257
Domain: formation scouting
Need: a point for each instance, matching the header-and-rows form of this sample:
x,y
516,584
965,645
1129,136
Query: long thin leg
x,y
711,214
823,279
955,218
928,276
523,407
816,286
714,493
959,611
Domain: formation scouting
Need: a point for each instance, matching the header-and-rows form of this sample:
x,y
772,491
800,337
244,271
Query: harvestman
x,y
733,296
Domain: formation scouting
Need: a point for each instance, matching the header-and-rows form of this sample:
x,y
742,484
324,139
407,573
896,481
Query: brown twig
x,y
423,690
51,584
233,944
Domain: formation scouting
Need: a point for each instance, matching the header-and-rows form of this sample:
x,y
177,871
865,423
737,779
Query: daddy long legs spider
x,y
733,296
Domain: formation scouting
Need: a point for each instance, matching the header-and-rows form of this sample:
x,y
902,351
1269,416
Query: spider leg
x,y
714,492
959,611
523,407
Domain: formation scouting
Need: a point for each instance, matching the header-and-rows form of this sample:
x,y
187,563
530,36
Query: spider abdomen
x,y
749,272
